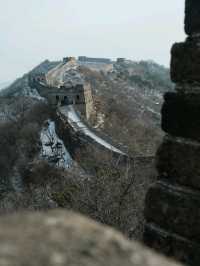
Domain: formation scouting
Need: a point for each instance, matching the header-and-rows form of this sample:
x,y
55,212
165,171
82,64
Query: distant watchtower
x,y
69,59
79,95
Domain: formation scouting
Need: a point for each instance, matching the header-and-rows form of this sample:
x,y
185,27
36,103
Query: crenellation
x,y
173,203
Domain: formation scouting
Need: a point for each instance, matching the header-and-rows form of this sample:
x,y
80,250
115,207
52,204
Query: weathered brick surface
x,y
174,209
185,62
62,238
192,14
178,161
173,203
181,115
172,245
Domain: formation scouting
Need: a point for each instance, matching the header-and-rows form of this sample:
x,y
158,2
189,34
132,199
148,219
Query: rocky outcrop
x,y
59,238
173,203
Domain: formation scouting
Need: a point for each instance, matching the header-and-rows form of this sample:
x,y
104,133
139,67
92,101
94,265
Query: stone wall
x,y
77,141
94,60
62,238
173,203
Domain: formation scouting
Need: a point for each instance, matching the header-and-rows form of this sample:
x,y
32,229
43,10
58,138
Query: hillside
x,y
38,170
128,102
20,86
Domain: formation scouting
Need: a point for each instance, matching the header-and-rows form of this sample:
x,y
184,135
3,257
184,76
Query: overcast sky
x,y
35,30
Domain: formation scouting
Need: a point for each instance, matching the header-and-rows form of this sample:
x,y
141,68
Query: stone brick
x,y
181,115
185,62
172,245
174,209
192,17
178,161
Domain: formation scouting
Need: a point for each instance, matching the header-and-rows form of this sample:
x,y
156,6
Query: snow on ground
x,y
78,125
29,92
153,111
100,121
53,148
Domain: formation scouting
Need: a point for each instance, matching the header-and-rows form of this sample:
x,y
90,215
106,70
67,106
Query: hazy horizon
x,y
35,30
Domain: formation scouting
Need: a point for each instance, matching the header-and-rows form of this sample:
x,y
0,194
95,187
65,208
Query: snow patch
x,y
53,149
100,121
153,111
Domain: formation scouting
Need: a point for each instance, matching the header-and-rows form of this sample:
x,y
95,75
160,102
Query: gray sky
x,y
34,30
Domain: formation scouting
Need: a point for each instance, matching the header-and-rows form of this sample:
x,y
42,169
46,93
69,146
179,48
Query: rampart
x,y
76,140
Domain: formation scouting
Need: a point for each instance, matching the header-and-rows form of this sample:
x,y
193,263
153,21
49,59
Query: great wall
x,y
73,102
